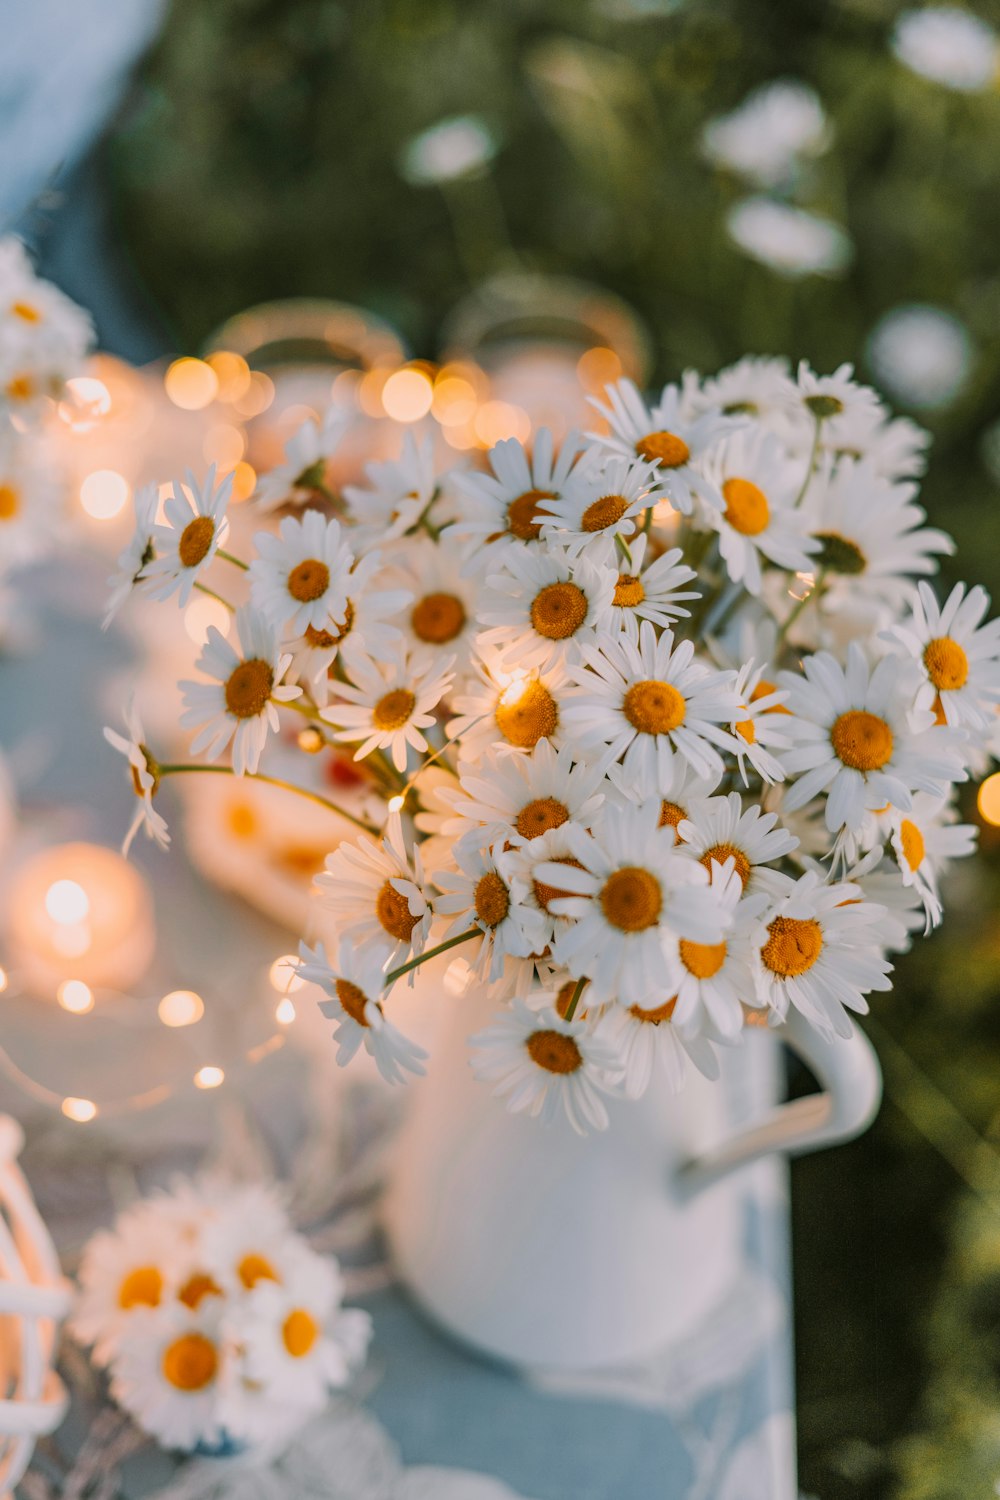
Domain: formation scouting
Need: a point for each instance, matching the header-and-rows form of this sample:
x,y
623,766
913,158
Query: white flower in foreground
x,y
365,629
649,700
185,546
666,435
399,493
441,614
170,1371
131,1268
509,708
789,240
820,950
302,576
603,499
144,777
388,704
648,1043
30,499
354,986
44,337
542,606
716,977
859,739
516,798
763,138
921,355
948,45
485,892
651,590
546,1065
504,508
958,656
377,895
923,841
296,480
721,829
137,555
241,704
759,520
632,894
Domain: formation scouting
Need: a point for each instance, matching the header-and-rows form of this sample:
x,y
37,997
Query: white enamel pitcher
x,y
547,1249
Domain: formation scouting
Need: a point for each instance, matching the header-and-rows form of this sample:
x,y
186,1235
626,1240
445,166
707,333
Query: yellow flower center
x,y
631,899
353,1000
861,740
190,1363
150,767
142,1287
940,717
747,510
558,610
603,513
249,688
10,502
196,539
196,1288
299,1332
654,1017
309,580
393,911
719,853
242,820
912,841
491,899
524,519
393,709
554,1052
629,591
546,893
671,813
526,714
21,388
671,450
793,946
654,707
253,1268
320,639
947,664
702,959
763,690
539,816
746,730
438,618
26,312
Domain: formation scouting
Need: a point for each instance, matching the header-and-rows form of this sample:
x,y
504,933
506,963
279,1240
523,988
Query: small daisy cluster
x,y
664,728
217,1324
44,338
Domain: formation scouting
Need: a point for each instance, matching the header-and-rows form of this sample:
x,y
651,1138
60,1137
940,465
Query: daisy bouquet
x,y
662,731
218,1326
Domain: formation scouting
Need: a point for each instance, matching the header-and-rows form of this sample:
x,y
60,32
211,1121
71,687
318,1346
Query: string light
x,y
191,384
407,395
80,1110
4,980
311,740
284,974
67,902
104,494
181,1008
208,1077
232,373
75,996
257,397
989,800
285,1012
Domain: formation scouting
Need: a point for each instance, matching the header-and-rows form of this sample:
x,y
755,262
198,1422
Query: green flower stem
x,y
422,958
204,589
623,547
813,454
228,557
575,999
288,786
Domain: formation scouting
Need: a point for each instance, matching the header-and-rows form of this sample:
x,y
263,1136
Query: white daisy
x,y
721,829
400,492
388,704
958,657
859,739
880,880
139,553
788,240
949,45
125,1270
647,700
602,501
543,605
145,778
485,892
546,1065
302,576
680,791
517,798
716,978
763,138
303,473
895,447
30,499
376,894
241,704
354,985
631,894
665,435
758,727
44,337
759,487
557,846
820,950
170,1370
366,628
504,508
510,708
647,1043
923,841
651,590
197,525
441,612
758,387
830,398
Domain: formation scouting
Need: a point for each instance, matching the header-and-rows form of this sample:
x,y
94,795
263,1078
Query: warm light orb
x,y
284,974
244,481
104,494
395,804
208,1078
87,401
191,384
181,1008
284,1012
989,800
496,420
75,996
454,401
257,397
4,980
224,445
407,395
80,1110
67,902
232,372
203,612
598,367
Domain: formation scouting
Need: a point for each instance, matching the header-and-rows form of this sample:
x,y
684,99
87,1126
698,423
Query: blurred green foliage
x,y
260,159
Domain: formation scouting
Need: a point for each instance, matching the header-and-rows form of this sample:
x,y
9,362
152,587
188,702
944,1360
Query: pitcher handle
x,y
848,1070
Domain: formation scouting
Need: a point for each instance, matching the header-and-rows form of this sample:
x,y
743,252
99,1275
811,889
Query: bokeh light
x,y
104,494
407,395
75,996
191,384
181,1008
